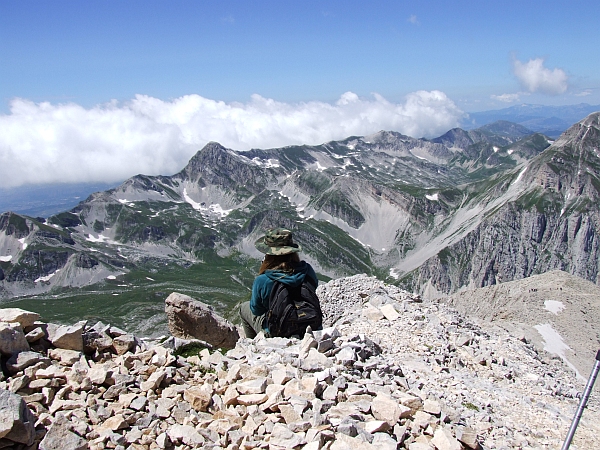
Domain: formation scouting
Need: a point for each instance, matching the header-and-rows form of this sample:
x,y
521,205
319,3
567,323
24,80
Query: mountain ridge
x,y
429,215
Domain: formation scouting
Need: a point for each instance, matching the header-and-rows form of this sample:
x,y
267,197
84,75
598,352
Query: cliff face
x,y
551,222
515,244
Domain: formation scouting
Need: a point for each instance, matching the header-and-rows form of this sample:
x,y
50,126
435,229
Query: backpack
x,y
292,309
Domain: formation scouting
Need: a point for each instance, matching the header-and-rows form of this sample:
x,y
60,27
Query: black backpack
x,y
292,309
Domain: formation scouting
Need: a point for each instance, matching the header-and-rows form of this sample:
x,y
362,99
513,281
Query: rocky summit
x,y
389,371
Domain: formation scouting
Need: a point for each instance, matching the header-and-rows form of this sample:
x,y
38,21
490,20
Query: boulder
x,y
17,422
61,437
18,315
12,339
192,319
67,337
22,360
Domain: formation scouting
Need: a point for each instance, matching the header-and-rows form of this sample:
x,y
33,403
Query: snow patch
x,y
268,164
419,157
151,279
433,197
125,202
394,274
510,152
111,277
47,277
554,306
100,238
5,258
520,175
23,243
553,343
495,149
214,208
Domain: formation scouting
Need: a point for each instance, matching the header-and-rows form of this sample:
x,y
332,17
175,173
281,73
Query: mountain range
x,y
468,209
550,120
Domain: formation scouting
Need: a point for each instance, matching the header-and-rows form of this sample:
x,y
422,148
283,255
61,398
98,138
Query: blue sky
x,y
273,66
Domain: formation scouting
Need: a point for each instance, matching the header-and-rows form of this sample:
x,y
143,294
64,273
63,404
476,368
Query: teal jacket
x,y
263,284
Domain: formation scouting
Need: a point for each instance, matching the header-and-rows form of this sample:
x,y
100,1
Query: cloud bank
x,y
46,143
507,98
535,77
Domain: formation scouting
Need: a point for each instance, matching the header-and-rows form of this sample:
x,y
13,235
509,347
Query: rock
x,y
199,397
374,426
346,356
389,312
66,357
432,407
289,414
252,399
414,403
443,440
153,380
372,313
67,337
116,422
96,341
17,423
123,343
315,361
468,437
185,434
17,315
189,318
35,335
282,376
283,437
97,374
61,437
385,408
20,361
256,386
12,339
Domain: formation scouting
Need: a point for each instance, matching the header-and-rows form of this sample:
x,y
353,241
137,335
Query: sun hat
x,y
277,241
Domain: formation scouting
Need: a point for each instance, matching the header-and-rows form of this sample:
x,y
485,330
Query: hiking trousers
x,y
252,324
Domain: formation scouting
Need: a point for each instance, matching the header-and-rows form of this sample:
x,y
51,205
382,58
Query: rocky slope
x,y
544,218
555,311
391,372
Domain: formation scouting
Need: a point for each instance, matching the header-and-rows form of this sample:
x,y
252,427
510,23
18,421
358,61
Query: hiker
x,y
280,264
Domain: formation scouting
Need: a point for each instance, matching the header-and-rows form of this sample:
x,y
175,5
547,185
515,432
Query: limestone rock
x,y
443,440
12,339
61,437
17,423
20,361
67,337
18,315
189,318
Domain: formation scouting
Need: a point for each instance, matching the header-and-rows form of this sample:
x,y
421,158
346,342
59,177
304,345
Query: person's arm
x,y
312,275
259,302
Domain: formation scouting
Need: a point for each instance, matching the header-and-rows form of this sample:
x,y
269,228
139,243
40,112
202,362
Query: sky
x,y
102,90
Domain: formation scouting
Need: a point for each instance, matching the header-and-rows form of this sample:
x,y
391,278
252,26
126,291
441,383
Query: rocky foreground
x,y
388,372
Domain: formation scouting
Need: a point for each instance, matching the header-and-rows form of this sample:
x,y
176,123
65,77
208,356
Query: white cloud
x,y
584,93
44,143
413,19
507,98
535,77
